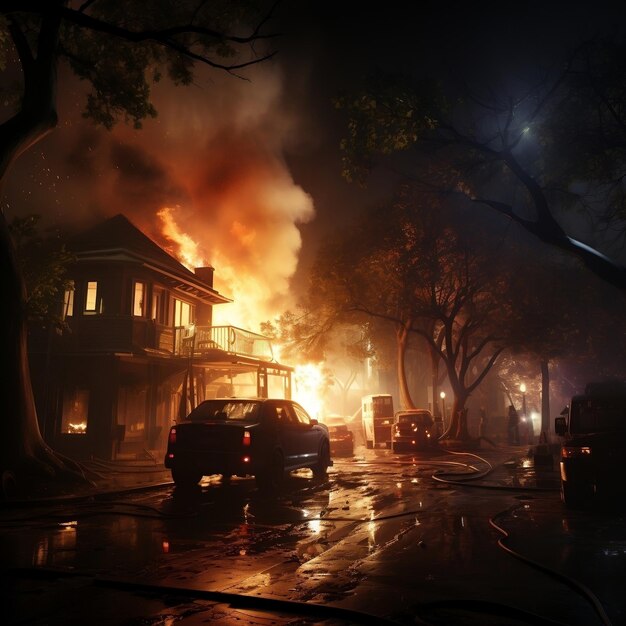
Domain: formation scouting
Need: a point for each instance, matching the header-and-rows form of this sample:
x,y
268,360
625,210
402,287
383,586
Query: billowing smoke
x,y
213,158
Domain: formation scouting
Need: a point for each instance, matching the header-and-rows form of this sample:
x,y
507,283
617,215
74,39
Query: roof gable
x,y
120,233
117,234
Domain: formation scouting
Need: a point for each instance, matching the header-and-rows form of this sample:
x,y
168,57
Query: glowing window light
x,y
77,429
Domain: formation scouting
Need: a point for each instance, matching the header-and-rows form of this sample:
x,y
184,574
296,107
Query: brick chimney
x,y
205,274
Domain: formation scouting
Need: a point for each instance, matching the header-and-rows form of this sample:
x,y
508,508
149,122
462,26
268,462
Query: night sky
x,y
250,169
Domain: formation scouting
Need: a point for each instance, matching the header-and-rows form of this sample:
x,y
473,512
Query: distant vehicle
x,y
594,447
341,437
260,437
413,429
377,418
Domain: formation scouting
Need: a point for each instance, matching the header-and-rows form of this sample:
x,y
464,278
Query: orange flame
x,y
308,377
308,384
257,282
187,249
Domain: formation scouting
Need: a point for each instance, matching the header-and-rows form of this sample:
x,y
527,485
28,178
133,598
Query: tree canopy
x,y
409,266
43,260
510,151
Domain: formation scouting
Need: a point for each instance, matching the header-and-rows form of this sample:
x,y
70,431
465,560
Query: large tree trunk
x,y
402,336
434,370
26,461
20,435
345,388
457,429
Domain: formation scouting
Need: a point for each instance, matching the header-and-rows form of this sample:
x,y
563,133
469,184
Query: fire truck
x,y
377,417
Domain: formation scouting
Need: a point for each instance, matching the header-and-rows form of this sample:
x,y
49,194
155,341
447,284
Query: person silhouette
x,y
482,426
513,426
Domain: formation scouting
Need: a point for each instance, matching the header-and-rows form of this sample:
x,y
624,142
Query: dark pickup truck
x,y
593,453
260,437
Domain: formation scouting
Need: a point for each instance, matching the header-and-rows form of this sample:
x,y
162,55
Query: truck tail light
x,y
247,438
172,437
569,453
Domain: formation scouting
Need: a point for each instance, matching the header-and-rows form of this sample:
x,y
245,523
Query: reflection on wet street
x,y
451,536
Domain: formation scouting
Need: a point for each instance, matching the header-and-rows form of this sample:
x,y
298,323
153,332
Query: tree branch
x,y
163,37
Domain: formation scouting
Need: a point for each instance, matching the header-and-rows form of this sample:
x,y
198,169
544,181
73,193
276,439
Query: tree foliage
x,y
560,321
43,260
511,152
339,348
407,266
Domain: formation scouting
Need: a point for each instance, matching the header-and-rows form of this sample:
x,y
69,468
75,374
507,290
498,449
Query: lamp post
x,y
527,426
442,395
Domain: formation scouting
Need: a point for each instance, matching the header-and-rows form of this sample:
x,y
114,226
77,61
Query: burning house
x,y
139,349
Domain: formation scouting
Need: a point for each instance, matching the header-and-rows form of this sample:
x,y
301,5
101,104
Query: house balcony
x,y
126,334
212,341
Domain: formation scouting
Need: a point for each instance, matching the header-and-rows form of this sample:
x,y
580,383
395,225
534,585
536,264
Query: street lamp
x,y
528,427
522,388
442,395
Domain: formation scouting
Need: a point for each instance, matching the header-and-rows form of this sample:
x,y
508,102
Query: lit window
x,y
75,408
182,313
138,299
91,298
68,302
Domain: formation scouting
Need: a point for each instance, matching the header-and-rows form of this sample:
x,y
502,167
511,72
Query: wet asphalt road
x,y
478,538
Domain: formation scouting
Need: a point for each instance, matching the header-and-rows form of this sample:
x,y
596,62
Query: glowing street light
x,y
528,425
442,395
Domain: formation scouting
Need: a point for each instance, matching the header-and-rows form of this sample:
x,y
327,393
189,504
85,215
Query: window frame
x,y
68,301
139,311
91,293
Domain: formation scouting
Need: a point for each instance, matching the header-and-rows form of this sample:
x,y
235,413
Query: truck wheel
x,y
271,479
321,467
185,478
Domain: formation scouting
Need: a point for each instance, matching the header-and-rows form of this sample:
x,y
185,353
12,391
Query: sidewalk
x,y
101,478
113,476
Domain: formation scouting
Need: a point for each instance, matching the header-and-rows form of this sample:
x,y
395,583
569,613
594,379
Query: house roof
x,y
118,239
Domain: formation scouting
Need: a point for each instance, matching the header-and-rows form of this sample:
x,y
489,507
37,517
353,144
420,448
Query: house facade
x,y
139,349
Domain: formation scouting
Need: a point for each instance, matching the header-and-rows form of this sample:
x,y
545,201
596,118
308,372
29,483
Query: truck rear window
x,y
226,411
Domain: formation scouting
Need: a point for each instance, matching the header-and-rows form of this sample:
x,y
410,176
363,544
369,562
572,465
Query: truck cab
x,y
593,451
377,415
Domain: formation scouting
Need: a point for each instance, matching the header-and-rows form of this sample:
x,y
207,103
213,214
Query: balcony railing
x,y
206,340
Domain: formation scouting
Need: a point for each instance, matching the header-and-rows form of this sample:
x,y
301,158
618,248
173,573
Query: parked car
x,y
594,447
260,437
341,437
413,429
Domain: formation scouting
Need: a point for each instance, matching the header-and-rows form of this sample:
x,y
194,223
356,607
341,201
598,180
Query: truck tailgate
x,y
209,436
